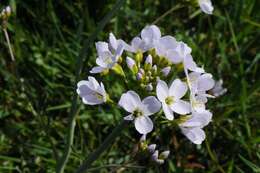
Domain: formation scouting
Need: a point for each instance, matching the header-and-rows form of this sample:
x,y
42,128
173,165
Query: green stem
x,y
79,66
9,44
107,142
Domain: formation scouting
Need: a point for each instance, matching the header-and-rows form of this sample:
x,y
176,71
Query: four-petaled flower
x,y
108,54
171,98
192,128
91,92
140,110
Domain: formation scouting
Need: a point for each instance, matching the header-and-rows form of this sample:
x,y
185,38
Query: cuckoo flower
x,y
171,98
140,110
192,128
200,84
108,54
165,47
91,92
149,36
206,6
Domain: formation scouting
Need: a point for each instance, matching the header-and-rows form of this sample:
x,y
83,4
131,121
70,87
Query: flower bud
x,y
131,65
149,87
166,70
139,57
151,148
139,76
6,12
148,62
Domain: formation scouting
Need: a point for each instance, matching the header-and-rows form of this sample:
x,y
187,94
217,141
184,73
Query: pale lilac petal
x,y
113,41
167,112
143,124
174,56
181,107
129,117
101,47
150,105
178,89
94,82
206,6
205,82
130,101
151,32
162,90
97,69
195,135
168,42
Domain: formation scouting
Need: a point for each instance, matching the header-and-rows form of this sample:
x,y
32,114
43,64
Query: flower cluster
x,y
165,77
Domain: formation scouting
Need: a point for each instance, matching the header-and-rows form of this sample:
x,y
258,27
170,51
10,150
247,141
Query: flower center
x,y
169,100
98,96
137,113
108,60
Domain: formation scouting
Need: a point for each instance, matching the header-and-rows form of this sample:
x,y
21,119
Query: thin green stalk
x,y
107,142
9,44
79,66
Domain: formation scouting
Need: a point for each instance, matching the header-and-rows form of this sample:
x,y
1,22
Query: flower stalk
x,y
106,144
61,163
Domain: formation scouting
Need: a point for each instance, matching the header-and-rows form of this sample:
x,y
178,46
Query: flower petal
x,y
129,117
205,82
130,101
181,107
167,112
97,69
143,124
151,32
113,41
178,89
162,90
174,56
195,135
101,47
150,105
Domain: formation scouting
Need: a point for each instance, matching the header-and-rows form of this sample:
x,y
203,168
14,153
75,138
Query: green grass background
x,y
36,91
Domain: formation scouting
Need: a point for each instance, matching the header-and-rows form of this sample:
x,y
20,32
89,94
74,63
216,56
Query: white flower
x,y
200,84
192,128
108,54
171,98
165,47
206,6
218,89
149,37
91,92
140,110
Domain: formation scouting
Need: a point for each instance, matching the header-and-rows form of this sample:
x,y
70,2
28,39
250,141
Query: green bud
x,y
118,70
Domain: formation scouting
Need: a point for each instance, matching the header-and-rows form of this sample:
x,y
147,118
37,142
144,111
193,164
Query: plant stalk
x,y
107,142
61,163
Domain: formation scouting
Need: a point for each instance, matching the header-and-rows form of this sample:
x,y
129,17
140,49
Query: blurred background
x,y
36,90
